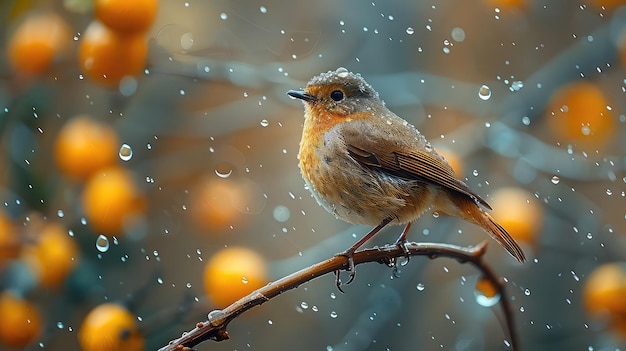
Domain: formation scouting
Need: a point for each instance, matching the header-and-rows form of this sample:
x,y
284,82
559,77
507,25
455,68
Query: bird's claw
x,y
401,243
351,269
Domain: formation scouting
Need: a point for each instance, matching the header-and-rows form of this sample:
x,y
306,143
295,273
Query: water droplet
x,y
516,85
333,314
263,9
486,293
486,301
281,213
526,120
608,192
555,179
264,123
475,173
223,16
527,292
435,214
333,296
102,243
60,325
223,170
420,287
342,72
126,152
585,130
128,85
410,31
484,92
216,317
304,305
60,213
458,34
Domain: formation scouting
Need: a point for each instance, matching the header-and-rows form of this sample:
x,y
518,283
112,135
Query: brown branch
x,y
215,327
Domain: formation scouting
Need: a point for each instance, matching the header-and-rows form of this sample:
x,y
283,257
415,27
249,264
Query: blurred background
x,y
149,171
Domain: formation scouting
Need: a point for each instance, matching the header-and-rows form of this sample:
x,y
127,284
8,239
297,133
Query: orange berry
x,y
126,16
110,327
111,200
518,212
605,289
107,57
214,203
83,146
579,113
36,42
233,273
54,255
21,322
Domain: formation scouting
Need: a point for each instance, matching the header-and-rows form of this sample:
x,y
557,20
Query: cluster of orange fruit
x,y
112,47
115,46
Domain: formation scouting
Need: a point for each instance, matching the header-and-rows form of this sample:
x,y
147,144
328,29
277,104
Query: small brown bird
x,y
366,165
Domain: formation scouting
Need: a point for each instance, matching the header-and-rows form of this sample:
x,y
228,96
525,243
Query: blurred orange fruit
x,y
84,146
518,212
107,56
579,113
214,203
111,200
233,273
21,322
603,296
53,256
110,327
605,290
126,16
37,42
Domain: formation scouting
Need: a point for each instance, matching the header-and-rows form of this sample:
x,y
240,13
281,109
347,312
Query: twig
x,y
215,327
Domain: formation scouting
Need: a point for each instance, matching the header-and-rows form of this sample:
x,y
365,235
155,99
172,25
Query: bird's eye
x,y
337,95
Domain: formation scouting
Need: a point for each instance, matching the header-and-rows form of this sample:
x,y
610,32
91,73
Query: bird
x,y
368,166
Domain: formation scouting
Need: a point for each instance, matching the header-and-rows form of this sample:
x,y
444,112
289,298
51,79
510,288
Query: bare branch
x,y
215,327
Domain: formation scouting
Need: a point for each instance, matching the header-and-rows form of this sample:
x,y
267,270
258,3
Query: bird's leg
x,y
349,253
401,243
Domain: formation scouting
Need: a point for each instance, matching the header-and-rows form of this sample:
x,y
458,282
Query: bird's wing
x,y
418,164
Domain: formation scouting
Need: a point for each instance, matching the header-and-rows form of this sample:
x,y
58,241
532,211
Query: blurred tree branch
x,y
215,327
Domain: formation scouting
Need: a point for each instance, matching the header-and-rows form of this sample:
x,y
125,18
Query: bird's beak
x,y
300,94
